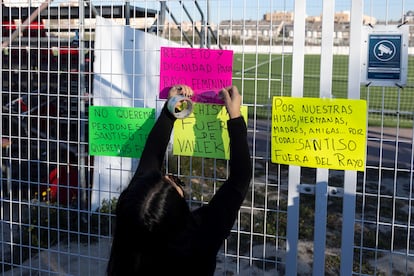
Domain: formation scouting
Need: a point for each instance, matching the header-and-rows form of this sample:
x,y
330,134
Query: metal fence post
x,y
82,151
350,182
294,171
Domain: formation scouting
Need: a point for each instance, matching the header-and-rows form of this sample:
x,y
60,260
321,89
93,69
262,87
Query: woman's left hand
x,y
181,89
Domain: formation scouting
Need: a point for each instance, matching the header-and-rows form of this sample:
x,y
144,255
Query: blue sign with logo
x,y
384,57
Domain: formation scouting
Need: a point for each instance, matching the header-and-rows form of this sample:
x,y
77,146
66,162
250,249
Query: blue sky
x,y
254,9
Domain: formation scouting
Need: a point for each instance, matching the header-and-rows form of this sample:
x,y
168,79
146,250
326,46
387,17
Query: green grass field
x,y
263,76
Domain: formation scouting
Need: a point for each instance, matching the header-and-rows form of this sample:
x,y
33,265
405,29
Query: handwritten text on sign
x,y
319,133
119,131
206,71
204,133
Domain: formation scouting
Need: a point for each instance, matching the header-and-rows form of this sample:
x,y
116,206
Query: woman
x,y
155,232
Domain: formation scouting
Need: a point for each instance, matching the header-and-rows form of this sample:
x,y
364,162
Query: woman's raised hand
x,y
181,89
232,100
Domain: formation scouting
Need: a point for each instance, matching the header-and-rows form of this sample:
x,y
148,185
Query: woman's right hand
x,y
232,101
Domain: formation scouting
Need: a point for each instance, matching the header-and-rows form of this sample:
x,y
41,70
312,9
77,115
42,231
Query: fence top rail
x,y
55,12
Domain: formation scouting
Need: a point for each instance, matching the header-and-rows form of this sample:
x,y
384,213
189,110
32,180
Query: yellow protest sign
x,y
319,133
204,132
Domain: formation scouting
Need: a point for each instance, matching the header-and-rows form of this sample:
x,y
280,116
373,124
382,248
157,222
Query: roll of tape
x,y
180,106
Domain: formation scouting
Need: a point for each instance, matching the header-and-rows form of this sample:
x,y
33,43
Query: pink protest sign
x,y
206,71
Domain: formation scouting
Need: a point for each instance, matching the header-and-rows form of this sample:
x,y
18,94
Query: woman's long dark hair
x,y
148,215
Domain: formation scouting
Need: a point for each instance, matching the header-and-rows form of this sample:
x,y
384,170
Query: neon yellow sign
x,y
204,132
319,133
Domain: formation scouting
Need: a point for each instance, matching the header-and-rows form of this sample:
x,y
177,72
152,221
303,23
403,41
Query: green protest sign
x,y
119,131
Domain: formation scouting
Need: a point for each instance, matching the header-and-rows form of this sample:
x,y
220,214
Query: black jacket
x,y
193,250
